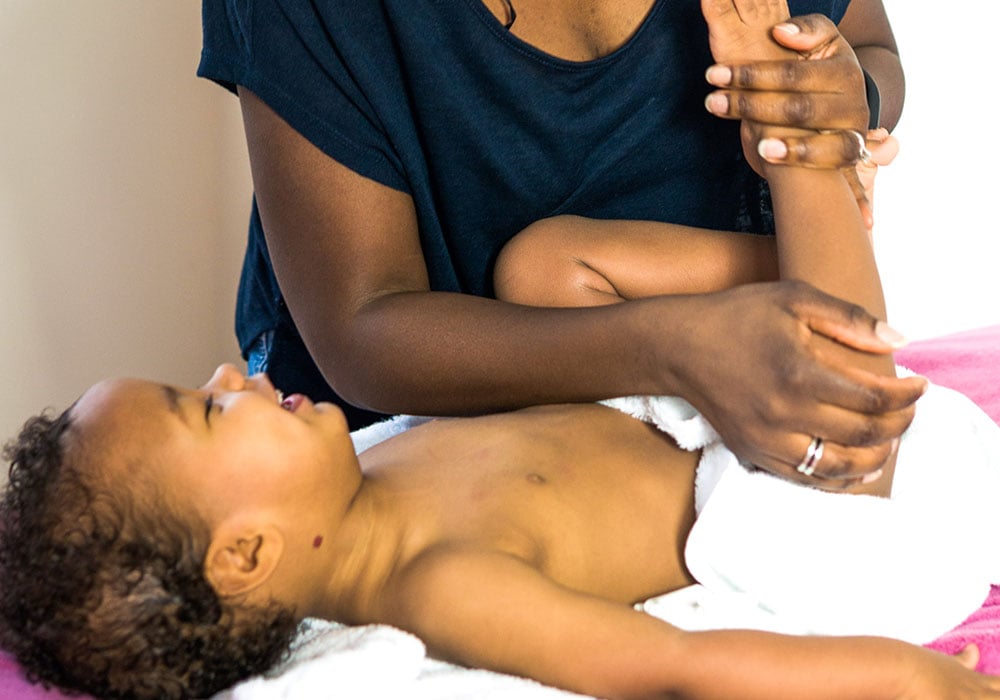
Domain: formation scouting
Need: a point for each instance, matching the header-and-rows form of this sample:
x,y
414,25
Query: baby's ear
x,y
242,556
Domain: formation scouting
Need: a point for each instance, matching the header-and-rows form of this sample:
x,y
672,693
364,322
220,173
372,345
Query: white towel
x,y
330,660
910,567
671,414
375,662
383,430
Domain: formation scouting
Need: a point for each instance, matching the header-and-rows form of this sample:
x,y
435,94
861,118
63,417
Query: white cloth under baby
x,y
910,567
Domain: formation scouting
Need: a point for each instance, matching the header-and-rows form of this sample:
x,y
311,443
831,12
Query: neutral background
x,y
124,193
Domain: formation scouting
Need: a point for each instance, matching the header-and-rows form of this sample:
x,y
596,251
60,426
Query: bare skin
x,y
515,542
821,239
564,522
346,253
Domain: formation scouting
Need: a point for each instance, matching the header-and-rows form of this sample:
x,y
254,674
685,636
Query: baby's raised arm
x,y
821,236
821,239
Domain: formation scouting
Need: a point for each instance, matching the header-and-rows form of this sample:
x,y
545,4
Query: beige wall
x,y
124,193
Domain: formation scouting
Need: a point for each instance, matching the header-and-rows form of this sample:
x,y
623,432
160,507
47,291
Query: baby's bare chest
x,y
595,500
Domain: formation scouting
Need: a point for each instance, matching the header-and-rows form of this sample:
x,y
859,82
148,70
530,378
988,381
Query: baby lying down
x,y
162,542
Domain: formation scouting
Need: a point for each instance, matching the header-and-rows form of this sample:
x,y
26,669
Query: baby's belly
x,y
621,532
597,500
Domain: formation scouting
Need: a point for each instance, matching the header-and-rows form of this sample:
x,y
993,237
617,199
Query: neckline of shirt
x,y
496,27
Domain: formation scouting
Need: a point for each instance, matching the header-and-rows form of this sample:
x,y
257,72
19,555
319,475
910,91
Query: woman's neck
x,y
573,30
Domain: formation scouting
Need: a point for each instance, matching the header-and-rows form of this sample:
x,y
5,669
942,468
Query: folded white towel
x,y
910,567
671,414
375,662
330,660
383,430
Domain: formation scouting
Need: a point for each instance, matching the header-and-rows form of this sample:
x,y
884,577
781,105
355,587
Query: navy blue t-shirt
x,y
486,133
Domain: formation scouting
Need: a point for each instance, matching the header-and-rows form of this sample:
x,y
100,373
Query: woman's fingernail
x,y
870,478
719,75
889,335
788,28
717,103
772,149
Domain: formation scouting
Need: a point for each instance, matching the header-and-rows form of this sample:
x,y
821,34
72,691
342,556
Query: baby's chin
x,y
334,412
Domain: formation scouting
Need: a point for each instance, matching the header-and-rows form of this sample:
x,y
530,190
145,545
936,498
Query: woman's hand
x,y
880,148
820,89
765,365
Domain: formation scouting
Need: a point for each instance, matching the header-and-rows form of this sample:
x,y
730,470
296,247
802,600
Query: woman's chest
x,y
574,30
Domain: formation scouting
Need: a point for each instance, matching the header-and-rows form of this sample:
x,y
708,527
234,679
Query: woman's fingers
x,y
808,35
830,76
831,467
819,111
769,379
822,89
854,447
826,150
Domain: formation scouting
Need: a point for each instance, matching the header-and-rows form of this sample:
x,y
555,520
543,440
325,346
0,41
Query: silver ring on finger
x,y
864,155
814,453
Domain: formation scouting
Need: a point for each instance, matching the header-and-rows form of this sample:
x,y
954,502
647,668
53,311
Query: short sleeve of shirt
x,y
284,53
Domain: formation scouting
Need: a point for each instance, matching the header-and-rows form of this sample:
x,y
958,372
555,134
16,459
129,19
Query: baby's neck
x,y
363,555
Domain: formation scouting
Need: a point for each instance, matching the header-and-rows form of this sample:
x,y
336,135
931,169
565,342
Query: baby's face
x,y
231,443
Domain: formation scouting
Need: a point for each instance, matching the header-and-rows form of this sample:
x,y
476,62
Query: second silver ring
x,y
814,453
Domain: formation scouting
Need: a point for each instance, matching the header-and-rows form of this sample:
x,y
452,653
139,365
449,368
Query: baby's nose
x,y
261,384
226,378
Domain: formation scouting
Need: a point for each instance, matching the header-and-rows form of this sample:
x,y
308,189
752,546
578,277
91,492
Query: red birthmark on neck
x,y
317,541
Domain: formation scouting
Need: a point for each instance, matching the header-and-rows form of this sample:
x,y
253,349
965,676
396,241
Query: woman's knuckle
x,y
850,151
839,469
771,409
809,23
798,110
745,76
857,314
867,433
789,75
743,105
854,461
872,402
800,150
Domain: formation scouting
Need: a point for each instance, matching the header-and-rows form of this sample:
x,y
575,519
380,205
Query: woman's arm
x,y
866,28
346,252
822,89
347,255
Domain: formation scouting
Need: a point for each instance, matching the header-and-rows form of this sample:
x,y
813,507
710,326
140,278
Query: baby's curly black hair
x,y
103,596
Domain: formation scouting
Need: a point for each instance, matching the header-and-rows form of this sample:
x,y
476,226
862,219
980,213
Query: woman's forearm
x,y
886,71
438,353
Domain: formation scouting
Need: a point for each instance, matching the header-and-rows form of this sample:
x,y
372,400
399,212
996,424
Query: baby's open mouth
x,y
292,403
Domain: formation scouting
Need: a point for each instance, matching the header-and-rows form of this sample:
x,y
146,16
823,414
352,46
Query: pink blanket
x,y
968,362
981,628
